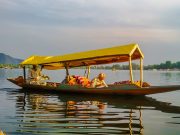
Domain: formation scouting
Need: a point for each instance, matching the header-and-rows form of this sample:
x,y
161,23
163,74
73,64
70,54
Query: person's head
x,y
101,76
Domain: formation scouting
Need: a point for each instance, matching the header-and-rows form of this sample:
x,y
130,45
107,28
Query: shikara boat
x,y
125,53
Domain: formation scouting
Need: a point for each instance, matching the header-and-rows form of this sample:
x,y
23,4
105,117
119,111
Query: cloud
x,y
88,13
63,26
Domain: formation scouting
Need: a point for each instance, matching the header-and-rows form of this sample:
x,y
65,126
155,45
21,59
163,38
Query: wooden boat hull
x,y
123,89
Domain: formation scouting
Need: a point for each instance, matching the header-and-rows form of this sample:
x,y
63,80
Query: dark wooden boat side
x,y
124,89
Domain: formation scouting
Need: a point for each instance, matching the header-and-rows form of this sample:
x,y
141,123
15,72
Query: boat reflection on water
x,y
42,113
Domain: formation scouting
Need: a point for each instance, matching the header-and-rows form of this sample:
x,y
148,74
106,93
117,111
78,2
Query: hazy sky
x,y
55,27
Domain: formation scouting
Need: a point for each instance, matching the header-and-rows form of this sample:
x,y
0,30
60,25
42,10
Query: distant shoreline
x,y
9,66
155,70
166,66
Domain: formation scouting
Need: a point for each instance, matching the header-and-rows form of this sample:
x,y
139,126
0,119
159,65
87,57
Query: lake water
x,y
31,113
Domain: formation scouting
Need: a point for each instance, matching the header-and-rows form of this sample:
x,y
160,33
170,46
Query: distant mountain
x,y
6,59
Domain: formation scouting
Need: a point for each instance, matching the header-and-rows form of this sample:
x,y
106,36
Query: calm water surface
x,y
33,113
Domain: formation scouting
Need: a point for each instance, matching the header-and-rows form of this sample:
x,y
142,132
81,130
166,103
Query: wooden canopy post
x,y
141,71
24,74
67,72
130,70
88,72
85,72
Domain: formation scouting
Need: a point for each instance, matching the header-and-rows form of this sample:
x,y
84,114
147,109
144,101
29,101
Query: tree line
x,y
164,66
9,65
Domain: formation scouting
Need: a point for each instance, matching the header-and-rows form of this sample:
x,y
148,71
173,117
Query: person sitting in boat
x,y
32,76
41,78
98,82
36,77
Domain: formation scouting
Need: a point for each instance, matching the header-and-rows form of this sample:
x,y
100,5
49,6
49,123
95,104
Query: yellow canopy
x,y
35,60
87,58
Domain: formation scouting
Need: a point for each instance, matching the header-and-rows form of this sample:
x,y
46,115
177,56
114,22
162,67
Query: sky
x,y
56,27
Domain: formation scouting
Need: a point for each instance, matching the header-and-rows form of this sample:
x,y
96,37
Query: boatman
x,y
33,74
98,82
36,77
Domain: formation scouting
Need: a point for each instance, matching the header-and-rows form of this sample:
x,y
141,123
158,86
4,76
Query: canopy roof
x,y
87,58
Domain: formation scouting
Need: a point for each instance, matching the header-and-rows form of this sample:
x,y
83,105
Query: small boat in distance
x,y
117,54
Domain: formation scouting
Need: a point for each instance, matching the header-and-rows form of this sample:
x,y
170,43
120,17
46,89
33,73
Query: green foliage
x,y
117,67
166,65
9,65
